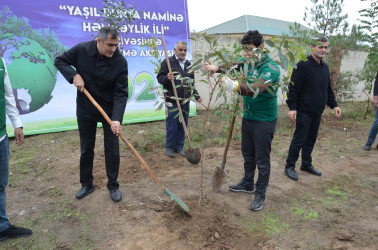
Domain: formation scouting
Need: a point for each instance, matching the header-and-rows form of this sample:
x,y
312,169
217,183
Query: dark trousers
x,y
175,134
306,132
256,147
87,130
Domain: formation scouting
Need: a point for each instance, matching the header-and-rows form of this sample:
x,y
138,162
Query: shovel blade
x,y
177,200
193,156
218,178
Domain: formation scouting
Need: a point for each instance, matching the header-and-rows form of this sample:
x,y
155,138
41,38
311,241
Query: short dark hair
x,y
318,38
254,37
104,31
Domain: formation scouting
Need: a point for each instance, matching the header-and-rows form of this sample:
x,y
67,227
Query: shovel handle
x,y
371,100
124,139
229,137
175,92
229,134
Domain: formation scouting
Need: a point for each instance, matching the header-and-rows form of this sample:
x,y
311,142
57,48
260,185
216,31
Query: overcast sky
x,y
204,14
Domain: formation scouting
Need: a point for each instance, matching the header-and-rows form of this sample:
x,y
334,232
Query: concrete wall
x,y
352,61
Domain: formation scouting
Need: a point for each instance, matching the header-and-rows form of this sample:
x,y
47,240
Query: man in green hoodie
x,y
259,115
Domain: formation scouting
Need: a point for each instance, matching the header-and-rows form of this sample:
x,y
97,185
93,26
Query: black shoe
x,y
311,170
376,146
241,187
367,146
257,203
116,195
84,191
290,172
14,232
169,153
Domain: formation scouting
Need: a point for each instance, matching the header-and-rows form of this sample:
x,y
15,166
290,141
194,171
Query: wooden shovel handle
x,y
124,139
229,137
371,100
175,92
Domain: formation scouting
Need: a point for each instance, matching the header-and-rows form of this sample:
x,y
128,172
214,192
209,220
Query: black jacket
x,y
104,78
184,91
310,88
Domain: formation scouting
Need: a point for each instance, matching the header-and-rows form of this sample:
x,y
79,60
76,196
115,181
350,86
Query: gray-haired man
x,y
102,70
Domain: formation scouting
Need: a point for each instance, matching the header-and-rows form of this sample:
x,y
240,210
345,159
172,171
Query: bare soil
x,y
335,211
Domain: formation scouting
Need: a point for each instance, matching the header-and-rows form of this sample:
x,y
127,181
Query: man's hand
x,y
375,101
171,76
292,115
78,82
199,99
19,136
337,112
116,127
210,68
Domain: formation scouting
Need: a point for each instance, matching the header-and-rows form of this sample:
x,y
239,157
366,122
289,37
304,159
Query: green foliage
x,y
369,27
118,13
346,83
326,17
290,51
153,46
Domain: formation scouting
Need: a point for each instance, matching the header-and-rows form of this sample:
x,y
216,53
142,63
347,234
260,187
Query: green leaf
x,y
270,43
245,69
270,91
225,56
283,59
208,39
160,106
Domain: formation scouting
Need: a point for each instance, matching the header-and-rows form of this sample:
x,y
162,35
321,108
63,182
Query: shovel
x,y
371,100
192,155
219,174
165,190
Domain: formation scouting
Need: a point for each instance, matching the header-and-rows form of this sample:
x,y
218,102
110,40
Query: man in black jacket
x,y
308,94
102,70
175,134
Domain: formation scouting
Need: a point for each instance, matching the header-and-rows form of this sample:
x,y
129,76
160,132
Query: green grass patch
x,y
337,192
269,224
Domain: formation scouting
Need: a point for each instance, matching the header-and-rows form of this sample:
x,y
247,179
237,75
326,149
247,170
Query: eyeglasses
x,y
249,49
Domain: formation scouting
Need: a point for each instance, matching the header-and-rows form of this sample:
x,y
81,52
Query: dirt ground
x,y
338,210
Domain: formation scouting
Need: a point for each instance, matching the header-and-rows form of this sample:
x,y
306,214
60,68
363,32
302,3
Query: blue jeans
x,y
175,134
256,147
306,132
4,174
373,130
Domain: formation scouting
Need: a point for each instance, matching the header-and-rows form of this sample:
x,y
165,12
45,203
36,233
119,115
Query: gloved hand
x,y
230,85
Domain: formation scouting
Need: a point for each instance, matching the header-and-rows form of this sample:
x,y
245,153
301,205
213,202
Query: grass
x,y
269,224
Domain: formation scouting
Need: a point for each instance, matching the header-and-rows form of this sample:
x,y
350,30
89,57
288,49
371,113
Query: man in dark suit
x,y
100,67
175,134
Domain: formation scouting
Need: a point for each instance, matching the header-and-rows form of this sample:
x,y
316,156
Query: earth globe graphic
x,y
31,71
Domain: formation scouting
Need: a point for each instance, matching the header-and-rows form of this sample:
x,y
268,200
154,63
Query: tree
x,y
326,18
119,14
369,26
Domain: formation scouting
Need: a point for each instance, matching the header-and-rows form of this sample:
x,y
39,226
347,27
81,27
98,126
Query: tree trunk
x,y
336,55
